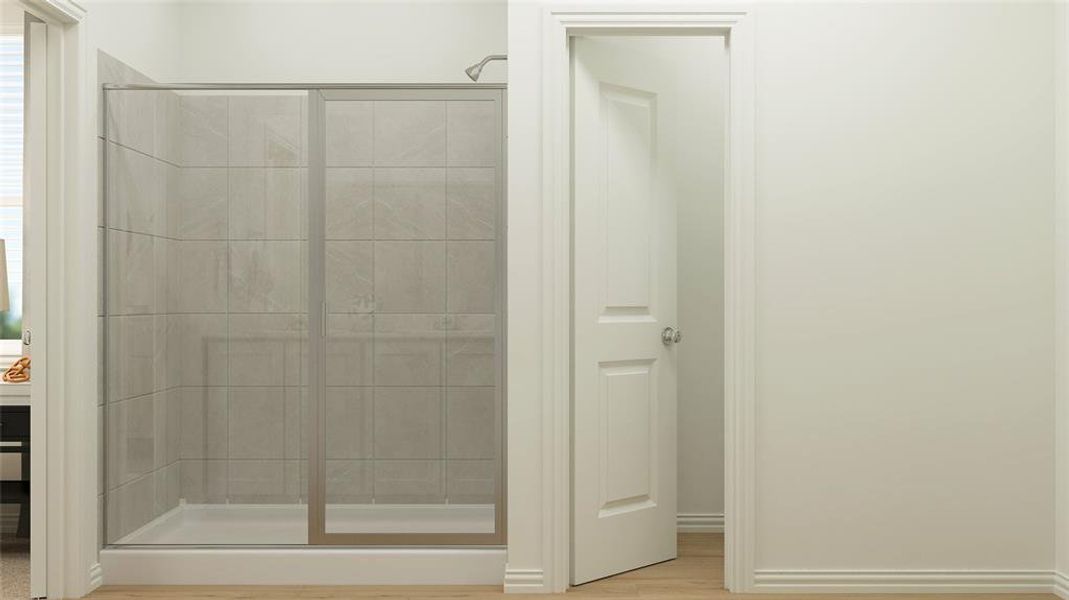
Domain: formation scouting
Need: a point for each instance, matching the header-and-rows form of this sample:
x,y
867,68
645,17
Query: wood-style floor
x,y
698,573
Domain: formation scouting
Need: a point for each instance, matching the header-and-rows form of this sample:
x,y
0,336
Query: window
x,y
11,162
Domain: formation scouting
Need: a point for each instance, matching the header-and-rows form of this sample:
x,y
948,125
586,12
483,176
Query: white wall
x,y
341,41
1062,303
144,34
905,248
905,303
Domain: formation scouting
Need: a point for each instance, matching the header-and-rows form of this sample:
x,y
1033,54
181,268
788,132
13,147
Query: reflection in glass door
x,y
406,254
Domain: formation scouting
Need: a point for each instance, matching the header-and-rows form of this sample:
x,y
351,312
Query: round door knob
x,y
670,335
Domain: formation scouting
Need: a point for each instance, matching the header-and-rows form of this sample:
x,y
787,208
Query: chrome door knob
x,y
671,335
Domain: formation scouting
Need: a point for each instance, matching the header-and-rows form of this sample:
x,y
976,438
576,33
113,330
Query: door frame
x,y
560,24
64,324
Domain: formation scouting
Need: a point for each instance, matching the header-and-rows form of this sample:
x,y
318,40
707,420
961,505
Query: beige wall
x,y
905,308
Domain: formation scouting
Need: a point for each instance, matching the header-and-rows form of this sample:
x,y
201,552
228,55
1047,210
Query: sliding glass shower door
x,y
302,314
406,301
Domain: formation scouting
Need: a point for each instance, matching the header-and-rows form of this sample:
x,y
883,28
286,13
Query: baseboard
x,y
525,581
96,576
877,582
1061,586
303,566
700,523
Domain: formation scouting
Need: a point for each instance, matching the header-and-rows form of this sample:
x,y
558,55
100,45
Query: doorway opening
x,y
24,101
649,162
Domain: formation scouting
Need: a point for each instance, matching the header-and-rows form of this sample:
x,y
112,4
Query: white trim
x,y
524,581
69,343
1060,587
96,576
303,565
700,523
60,11
872,582
647,17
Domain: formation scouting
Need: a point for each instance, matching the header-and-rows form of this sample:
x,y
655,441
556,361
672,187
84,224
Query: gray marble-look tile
x,y
349,350
262,349
471,422
131,356
296,406
130,507
266,276
473,201
410,204
409,350
204,349
470,351
260,482
131,435
201,282
131,273
471,481
135,191
410,277
197,204
167,348
204,422
410,133
168,127
267,130
203,135
256,422
409,482
348,204
408,422
266,203
203,481
472,275
168,487
349,133
472,133
349,482
131,119
348,422
168,415
349,272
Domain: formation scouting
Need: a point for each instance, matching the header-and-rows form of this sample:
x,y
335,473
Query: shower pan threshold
x,y
287,524
268,546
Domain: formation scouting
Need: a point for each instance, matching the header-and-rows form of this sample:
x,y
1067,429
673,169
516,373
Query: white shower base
x,y
287,524
197,527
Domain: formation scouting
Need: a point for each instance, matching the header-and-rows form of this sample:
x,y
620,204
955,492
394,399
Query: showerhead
x,y
475,70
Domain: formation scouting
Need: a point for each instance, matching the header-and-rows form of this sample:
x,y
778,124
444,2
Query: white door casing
x,y
624,473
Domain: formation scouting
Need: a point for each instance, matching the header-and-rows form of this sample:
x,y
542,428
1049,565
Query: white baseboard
x,y
1061,586
303,566
96,576
700,523
525,581
877,582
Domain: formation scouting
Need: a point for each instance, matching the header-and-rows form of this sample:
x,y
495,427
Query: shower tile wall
x,y
139,410
241,289
411,213
206,308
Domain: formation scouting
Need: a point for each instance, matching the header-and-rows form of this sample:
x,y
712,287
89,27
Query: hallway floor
x,y
698,573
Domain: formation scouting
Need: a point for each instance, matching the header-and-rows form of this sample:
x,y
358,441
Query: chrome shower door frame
x,y
317,330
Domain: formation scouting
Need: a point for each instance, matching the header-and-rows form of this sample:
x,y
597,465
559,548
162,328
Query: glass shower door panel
x,y
410,406
205,316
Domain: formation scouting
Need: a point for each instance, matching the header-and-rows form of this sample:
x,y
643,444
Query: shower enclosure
x,y
303,315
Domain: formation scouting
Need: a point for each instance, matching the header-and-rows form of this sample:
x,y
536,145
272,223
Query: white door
x,y
624,374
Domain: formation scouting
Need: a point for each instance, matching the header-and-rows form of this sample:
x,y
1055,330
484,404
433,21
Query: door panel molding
x,y
561,23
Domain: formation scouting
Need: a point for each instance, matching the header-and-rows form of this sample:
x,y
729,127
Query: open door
x,y
624,320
